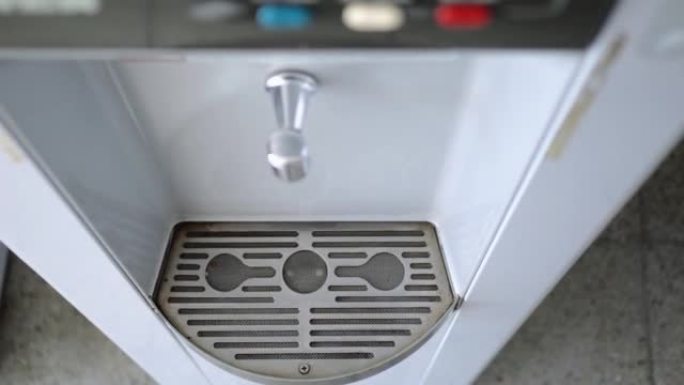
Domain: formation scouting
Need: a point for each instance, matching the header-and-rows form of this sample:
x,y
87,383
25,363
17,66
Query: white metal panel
x,y
53,241
73,121
376,131
508,105
631,124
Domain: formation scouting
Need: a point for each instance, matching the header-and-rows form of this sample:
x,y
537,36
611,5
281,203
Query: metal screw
x,y
304,369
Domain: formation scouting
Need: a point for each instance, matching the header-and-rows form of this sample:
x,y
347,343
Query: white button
x,y
373,17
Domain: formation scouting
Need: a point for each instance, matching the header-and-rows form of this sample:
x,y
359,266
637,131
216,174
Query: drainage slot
x,y
186,277
193,256
187,266
420,288
303,356
240,234
368,233
423,277
220,299
187,289
249,289
415,254
365,321
351,344
238,245
421,266
397,298
347,255
255,345
247,333
369,244
258,310
229,322
262,255
360,332
369,310
347,288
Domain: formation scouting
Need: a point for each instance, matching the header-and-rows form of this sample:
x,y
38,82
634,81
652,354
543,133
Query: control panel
x,y
302,23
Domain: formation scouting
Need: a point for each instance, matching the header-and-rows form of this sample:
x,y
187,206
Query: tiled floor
x,y
616,318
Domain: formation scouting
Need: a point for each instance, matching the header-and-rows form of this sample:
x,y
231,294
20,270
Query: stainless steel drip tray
x,y
305,301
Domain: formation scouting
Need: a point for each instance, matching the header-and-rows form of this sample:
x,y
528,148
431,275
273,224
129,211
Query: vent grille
x,y
295,302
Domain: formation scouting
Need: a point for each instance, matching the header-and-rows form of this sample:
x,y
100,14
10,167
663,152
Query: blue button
x,y
283,16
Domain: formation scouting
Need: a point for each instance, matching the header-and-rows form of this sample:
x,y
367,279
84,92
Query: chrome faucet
x,y
288,153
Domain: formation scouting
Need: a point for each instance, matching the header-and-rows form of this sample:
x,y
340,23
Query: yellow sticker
x,y
584,100
7,144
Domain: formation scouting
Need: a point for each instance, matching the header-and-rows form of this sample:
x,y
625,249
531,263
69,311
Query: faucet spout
x,y
288,153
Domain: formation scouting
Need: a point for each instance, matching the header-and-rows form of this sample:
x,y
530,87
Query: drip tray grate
x,y
305,302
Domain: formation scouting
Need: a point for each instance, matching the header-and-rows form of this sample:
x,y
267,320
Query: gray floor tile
x,y
663,197
589,330
626,226
4,258
665,289
45,341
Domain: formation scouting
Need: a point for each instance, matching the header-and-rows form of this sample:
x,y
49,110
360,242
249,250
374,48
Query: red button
x,y
462,15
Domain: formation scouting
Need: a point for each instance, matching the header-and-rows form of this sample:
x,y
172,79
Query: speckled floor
x,y
616,318
45,341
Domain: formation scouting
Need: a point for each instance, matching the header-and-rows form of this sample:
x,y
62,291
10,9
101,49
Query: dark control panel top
x,y
302,23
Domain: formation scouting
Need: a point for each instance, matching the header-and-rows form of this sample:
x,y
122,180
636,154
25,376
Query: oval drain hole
x,y
225,272
384,271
